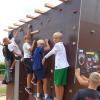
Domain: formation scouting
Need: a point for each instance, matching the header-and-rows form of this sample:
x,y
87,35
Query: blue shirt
x,y
37,58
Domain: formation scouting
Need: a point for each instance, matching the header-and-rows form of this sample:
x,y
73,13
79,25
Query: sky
x,y
13,10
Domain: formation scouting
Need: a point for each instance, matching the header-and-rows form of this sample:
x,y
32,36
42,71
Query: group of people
x,y
34,62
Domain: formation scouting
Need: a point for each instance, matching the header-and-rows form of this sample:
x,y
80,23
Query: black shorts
x,y
28,64
17,58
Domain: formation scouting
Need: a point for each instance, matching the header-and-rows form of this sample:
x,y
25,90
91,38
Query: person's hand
x,y
46,40
43,60
34,41
15,34
77,71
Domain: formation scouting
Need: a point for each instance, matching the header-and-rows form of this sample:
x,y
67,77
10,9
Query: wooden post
x,y
16,85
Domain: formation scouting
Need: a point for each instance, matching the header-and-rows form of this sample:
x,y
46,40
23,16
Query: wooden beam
x,y
65,0
7,30
30,16
39,11
49,5
34,32
23,21
12,27
17,24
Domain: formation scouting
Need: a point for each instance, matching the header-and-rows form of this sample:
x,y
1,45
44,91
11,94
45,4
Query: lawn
x,y
2,90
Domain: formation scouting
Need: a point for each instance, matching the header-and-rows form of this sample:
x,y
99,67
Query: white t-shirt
x,y
13,47
60,56
27,53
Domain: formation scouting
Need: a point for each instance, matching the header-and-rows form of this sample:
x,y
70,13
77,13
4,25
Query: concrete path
x,y
3,98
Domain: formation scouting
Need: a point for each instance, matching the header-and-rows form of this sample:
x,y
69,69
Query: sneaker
x,y
4,82
49,98
34,82
28,90
9,81
35,96
11,70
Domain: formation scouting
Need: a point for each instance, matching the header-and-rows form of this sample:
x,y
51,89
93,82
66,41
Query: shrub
x,y
2,68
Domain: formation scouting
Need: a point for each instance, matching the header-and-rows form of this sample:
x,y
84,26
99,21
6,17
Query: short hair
x,y
95,77
40,41
5,39
58,34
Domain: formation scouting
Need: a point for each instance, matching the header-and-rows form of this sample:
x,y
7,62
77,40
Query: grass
x,y
2,90
2,87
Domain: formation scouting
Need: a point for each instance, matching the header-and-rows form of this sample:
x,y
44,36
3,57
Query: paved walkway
x,y
3,98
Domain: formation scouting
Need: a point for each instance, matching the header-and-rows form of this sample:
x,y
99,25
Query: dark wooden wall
x,y
90,21
65,18
89,34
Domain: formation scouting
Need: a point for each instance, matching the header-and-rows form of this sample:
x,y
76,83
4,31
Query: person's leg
x,y
38,88
28,88
34,80
4,81
29,78
29,71
61,92
45,88
13,64
60,76
5,74
29,75
9,78
57,92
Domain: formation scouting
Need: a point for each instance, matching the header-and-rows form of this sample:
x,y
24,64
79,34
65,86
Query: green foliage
x,y
2,68
2,65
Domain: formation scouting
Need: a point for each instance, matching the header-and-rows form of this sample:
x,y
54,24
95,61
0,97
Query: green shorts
x,y
60,76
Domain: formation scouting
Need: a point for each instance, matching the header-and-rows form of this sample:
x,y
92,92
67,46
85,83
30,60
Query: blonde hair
x,y
95,77
58,34
40,41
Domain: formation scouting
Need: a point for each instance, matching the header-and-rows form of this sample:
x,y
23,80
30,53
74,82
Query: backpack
x,y
6,53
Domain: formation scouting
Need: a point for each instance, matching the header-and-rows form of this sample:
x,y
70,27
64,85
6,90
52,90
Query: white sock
x,y
38,94
46,95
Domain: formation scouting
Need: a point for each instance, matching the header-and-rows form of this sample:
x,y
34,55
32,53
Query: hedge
x,y
2,68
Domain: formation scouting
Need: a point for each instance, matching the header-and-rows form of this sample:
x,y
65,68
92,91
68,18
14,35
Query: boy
x,y
83,80
13,48
61,64
38,67
27,49
90,93
8,60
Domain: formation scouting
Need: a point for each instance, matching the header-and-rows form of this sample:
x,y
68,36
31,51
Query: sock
x,y
38,94
46,95
28,87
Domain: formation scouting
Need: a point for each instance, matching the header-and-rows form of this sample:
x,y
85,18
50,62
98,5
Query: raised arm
x,y
52,52
47,46
32,47
81,79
